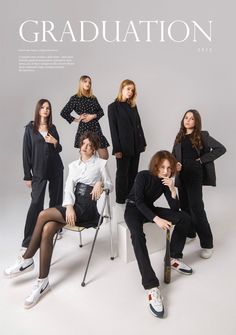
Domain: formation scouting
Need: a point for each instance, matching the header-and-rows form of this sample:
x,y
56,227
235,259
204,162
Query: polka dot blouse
x,y
88,105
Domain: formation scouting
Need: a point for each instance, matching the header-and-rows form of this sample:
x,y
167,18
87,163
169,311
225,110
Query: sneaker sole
x,y
204,257
159,315
13,275
35,303
183,272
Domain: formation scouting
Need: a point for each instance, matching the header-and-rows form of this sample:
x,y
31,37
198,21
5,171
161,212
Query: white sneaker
x,y
206,253
21,266
180,266
39,288
155,302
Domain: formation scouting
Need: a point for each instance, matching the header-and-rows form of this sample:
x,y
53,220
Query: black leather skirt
x,y
85,208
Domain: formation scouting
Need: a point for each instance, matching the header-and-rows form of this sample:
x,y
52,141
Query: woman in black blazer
x,y
42,163
127,138
195,151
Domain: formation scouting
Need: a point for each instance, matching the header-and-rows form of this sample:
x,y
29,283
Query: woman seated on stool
x,y
148,186
87,177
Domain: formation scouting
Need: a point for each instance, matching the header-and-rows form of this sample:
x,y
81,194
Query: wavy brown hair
x,y
37,116
124,83
80,92
158,158
195,136
93,139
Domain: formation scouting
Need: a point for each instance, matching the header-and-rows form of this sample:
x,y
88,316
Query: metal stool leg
x,y
110,228
80,239
95,237
91,252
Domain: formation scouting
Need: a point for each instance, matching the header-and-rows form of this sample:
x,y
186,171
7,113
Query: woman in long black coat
x,y
127,138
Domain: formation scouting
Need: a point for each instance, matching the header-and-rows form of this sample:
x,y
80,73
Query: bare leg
x,y
103,153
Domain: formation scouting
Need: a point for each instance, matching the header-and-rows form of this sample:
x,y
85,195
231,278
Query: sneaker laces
x,y
156,296
36,285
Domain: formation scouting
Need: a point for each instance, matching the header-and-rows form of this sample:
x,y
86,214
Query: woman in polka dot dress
x,y
86,105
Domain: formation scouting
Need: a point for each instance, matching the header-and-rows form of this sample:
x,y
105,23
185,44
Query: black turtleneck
x,y
146,190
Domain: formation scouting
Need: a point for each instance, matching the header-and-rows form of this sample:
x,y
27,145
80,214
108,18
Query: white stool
x,y
154,236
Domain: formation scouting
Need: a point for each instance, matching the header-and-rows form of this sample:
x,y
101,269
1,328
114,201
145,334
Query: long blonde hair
x,y
124,83
80,92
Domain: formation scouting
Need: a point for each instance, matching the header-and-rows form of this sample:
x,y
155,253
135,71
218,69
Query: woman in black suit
x,y
42,163
127,138
195,151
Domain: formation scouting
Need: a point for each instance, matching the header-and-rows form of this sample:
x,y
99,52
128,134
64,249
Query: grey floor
x,y
114,302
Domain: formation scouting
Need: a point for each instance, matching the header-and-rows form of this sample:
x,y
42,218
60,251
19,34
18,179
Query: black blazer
x,y
212,149
126,130
40,157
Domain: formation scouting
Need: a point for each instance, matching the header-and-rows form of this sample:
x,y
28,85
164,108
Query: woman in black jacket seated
x,y
149,185
195,151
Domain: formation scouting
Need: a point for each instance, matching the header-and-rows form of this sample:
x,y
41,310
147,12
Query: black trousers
x,y
190,195
135,220
127,168
55,188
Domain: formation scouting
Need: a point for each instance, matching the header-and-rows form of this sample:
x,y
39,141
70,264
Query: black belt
x,y
83,189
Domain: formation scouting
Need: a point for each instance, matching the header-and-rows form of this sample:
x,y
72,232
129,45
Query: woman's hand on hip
x,y
162,223
80,118
178,166
70,215
89,117
118,155
97,190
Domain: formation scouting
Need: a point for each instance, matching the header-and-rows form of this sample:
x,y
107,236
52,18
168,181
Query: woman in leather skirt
x,y
87,177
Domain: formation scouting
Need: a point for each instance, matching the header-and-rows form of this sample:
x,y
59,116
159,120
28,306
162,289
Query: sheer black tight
x,y
48,223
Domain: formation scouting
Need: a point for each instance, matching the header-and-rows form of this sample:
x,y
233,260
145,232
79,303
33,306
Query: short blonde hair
x,y
124,83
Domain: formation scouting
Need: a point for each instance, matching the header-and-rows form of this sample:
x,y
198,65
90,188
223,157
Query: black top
x,y
126,129
212,149
146,190
188,151
88,105
40,159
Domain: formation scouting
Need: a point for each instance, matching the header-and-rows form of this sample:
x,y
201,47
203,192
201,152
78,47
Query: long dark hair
x,y
195,136
37,116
